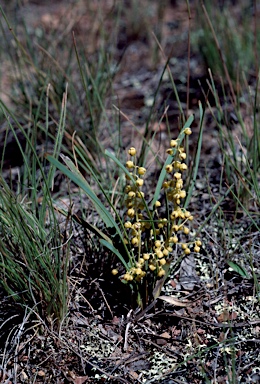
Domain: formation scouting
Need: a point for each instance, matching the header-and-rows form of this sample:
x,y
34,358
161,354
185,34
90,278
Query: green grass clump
x,y
33,261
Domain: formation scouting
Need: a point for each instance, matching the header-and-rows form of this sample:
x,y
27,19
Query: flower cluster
x,y
152,237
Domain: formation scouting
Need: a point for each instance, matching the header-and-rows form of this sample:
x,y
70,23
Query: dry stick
x,y
220,54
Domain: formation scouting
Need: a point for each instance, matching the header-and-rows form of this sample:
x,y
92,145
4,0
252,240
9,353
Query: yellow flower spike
x,y
161,273
129,164
173,143
128,224
177,175
131,212
169,168
139,182
187,131
157,244
196,249
187,251
152,267
132,151
186,230
141,171
114,272
157,204
162,261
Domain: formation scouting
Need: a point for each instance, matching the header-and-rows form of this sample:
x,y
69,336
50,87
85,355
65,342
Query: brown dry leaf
x,y
166,335
172,300
188,277
226,316
80,379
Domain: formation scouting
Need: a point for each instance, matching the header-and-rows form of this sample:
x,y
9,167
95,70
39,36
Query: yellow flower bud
x,y
128,224
183,167
129,164
140,194
157,204
165,252
165,185
152,267
159,253
187,251
186,230
146,256
169,151
173,143
169,168
132,151
174,239
196,249
162,261
161,273
177,175
184,246
135,241
131,194
157,244
198,243
141,170
182,194
182,156
131,212
114,272
187,131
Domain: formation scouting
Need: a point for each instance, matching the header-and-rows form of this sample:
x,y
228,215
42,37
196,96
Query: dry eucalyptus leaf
x,y
188,277
172,300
